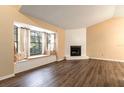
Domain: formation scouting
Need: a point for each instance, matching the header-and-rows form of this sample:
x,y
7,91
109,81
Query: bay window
x,y
28,42
51,42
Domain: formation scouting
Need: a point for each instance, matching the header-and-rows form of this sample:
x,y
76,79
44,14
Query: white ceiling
x,y
70,16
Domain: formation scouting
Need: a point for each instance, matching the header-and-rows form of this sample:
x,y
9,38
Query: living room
x,y
62,46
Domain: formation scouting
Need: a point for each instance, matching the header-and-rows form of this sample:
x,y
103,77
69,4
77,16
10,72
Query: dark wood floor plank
x,y
76,73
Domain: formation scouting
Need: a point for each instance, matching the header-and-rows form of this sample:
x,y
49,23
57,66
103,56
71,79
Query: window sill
x,y
32,57
38,56
21,61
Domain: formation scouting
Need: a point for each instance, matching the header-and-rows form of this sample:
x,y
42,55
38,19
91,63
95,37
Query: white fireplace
x,y
75,37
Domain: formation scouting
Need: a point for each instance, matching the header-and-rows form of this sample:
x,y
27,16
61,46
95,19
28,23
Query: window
x,y
35,43
28,42
16,38
51,41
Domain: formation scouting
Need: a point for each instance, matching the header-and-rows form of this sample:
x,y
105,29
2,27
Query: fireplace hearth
x,y
75,50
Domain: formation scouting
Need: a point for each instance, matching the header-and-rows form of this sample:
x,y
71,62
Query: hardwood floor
x,y
79,73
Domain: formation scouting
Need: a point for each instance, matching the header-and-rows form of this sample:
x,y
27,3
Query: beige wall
x,y
8,15
106,39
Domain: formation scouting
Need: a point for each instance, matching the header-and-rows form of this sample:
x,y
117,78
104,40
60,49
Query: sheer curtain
x,y
22,44
45,41
53,44
49,44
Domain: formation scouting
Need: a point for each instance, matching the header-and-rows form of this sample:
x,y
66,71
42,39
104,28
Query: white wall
x,y
32,63
75,37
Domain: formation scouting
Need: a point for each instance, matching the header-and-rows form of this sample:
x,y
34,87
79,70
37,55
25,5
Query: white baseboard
x,y
7,76
77,58
107,59
60,59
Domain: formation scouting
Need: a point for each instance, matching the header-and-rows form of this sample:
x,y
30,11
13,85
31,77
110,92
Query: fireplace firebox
x,y
75,50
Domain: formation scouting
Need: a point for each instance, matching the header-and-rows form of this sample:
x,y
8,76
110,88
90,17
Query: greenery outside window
x,y
35,43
